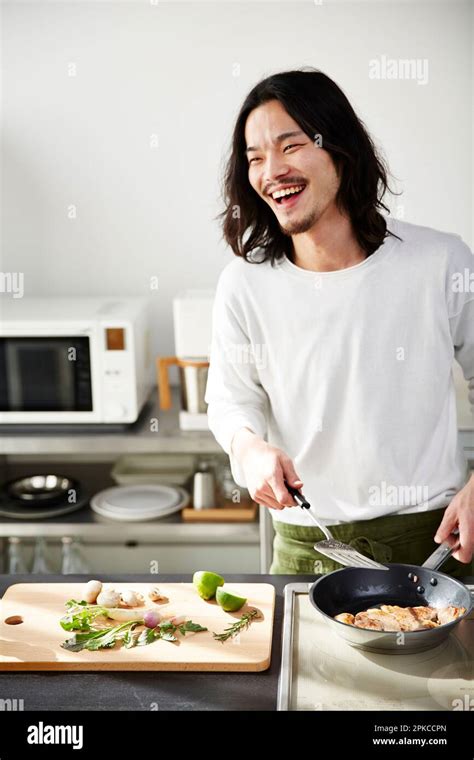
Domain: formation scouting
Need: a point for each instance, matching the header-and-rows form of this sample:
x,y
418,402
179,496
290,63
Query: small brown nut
x,y
14,620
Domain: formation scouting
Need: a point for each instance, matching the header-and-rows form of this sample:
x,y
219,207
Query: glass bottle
x,y
72,558
40,563
16,560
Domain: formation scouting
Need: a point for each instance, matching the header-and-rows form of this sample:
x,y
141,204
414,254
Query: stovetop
x,y
321,671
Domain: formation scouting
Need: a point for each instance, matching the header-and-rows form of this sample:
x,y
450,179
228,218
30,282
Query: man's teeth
x,y
287,191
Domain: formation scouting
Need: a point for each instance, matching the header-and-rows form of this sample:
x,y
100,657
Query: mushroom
x,y
155,594
131,598
108,598
91,591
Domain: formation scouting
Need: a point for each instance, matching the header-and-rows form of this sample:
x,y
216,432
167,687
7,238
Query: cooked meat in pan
x,y
392,618
448,614
345,617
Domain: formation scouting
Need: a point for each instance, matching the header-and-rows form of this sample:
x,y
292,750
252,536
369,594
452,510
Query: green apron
x,y
397,538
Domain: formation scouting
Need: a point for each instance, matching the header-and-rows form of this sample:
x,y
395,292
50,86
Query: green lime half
x,y
206,583
229,602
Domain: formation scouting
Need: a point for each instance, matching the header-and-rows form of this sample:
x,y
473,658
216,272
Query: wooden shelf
x,y
220,514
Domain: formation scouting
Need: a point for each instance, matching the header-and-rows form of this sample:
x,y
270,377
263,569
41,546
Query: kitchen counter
x,y
136,438
158,690
150,691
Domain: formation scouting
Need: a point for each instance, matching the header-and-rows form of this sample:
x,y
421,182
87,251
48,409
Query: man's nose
x,y
276,167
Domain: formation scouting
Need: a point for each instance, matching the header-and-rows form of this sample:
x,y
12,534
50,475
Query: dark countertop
x,y
155,690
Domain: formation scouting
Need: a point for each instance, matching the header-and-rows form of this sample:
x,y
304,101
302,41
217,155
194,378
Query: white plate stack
x,y
139,503
163,469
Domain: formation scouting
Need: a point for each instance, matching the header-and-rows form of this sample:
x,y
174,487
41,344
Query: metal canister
x,y
204,489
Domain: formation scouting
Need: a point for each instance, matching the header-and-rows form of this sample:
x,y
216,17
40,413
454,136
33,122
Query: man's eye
x,y
255,158
291,146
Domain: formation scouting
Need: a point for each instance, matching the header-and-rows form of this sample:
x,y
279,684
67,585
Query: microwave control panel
x,y
119,405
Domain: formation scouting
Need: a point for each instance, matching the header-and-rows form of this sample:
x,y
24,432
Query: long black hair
x,y
319,107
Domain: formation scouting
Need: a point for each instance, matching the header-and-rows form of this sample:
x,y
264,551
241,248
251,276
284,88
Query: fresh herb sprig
x,y
166,631
240,625
81,616
103,638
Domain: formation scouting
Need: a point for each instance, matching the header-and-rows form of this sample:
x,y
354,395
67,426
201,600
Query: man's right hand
x,y
265,468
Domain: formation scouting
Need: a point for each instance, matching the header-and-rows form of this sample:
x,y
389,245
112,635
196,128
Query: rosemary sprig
x,y
239,625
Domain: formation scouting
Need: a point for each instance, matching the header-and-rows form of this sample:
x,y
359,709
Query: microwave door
x,y
45,374
39,378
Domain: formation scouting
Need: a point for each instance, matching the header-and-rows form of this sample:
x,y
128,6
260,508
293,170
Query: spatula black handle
x,y
296,493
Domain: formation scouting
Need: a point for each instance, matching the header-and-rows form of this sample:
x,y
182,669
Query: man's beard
x,y
298,226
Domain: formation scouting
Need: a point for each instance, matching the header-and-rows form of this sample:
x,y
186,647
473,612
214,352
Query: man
x,y
334,333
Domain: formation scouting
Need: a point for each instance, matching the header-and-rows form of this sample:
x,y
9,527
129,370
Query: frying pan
x,y
354,589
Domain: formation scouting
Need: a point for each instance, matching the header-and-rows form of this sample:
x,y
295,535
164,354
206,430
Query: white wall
x,y
168,69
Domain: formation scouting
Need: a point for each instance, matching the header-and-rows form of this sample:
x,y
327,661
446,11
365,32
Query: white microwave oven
x,y
74,360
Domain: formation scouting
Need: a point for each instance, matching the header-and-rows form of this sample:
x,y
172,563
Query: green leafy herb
x,y
239,625
147,636
168,636
104,638
81,615
167,629
130,638
166,625
188,625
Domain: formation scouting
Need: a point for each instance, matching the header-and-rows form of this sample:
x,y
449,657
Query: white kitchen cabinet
x,y
171,558
154,558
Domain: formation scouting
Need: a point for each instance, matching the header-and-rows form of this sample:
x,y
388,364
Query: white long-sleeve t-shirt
x,y
350,372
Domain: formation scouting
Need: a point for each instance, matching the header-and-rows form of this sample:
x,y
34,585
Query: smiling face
x,y
287,169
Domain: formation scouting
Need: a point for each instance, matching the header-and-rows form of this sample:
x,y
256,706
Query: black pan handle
x,y
298,496
441,553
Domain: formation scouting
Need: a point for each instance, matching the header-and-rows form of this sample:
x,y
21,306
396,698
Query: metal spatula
x,y
336,550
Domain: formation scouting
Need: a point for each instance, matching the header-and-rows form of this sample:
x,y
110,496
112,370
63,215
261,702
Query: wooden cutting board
x,y
35,644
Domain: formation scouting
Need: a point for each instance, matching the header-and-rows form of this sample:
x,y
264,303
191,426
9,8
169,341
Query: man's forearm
x,y
241,439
